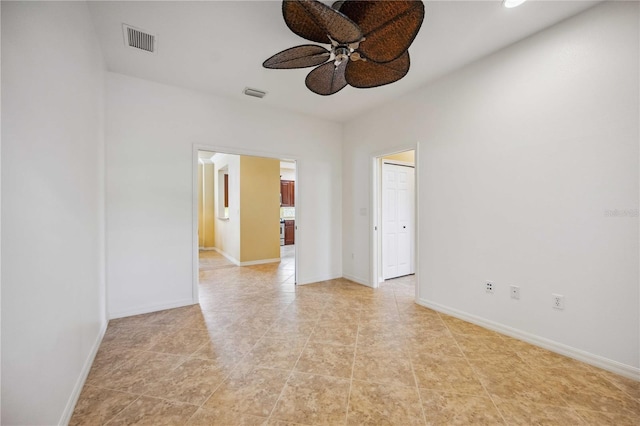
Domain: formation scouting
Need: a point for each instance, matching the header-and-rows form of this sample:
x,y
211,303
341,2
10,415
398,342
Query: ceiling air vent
x,y
139,39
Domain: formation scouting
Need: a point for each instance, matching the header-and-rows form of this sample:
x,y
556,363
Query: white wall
x,y
52,212
520,156
228,231
151,131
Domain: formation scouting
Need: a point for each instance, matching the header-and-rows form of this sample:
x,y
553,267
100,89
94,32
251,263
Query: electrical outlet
x,y
558,301
515,292
489,286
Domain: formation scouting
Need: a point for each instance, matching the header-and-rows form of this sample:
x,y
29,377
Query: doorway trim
x,y
195,261
375,217
412,243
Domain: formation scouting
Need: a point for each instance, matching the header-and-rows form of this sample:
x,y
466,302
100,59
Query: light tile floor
x,y
259,350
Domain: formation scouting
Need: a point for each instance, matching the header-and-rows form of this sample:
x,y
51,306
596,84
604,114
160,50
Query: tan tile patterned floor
x,y
258,350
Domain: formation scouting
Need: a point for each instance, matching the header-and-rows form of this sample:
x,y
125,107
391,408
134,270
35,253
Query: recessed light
x,y
509,4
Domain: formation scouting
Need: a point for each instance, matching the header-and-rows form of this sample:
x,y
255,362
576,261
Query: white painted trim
x,y
195,252
84,373
296,234
414,235
358,280
562,349
249,263
152,308
238,151
227,256
416,219
206,248
242,151
375,244
320,278
260,262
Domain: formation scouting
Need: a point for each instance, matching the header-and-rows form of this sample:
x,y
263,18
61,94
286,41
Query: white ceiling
x,y
218,47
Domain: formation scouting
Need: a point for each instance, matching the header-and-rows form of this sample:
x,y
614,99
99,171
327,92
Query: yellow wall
x,y
200,205
259,208
406,156
208,208
206,212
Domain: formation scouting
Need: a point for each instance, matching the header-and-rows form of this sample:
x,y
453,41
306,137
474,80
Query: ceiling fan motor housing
x,y
342,54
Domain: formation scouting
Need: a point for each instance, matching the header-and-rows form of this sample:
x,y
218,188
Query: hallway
x,y
259,350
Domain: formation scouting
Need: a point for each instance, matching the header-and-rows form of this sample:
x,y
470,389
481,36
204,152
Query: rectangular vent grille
x,y
139,39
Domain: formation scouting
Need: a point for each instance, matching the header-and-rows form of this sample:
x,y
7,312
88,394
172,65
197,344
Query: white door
x,y
397,220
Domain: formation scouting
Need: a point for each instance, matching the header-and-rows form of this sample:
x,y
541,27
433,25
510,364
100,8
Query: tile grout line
x,y
225,377
170,401
530,365
464,354
121,411
566,405
262,302
212,392
117,364
353,367
596,371
415,378
578,414
231,371
137,397
141,395
294,366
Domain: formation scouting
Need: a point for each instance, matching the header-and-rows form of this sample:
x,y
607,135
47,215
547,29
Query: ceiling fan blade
x,y
327,79
367,74
389,26
317,22
307,55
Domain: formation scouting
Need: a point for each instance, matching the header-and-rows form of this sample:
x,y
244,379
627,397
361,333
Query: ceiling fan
x,y
369,42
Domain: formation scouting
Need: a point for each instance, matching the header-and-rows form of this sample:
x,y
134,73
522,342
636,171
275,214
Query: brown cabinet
x,y
287,193
226,189
289,232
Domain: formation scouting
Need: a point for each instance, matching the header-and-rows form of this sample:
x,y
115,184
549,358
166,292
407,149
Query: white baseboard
x,y
560,348
238,263
318,278
227,256
259,262
207,248
358,280
151,308
84,373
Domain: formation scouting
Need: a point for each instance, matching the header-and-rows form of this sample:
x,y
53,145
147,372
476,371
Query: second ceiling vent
x,y
139,39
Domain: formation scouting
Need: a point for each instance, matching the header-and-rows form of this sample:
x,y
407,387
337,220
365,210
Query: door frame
x,y
195,261
413,219
376,210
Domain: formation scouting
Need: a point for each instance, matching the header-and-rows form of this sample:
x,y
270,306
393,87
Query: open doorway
x,y
245,216
288,213
395,220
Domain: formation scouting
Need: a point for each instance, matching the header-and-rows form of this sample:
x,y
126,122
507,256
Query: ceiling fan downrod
x,y
341,54
344,52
